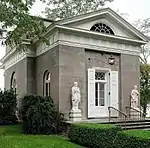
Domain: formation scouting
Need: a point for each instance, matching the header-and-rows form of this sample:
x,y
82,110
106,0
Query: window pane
x,y
49,89
96,94
101,94
99,76
96,102
46,85
102,102
101,87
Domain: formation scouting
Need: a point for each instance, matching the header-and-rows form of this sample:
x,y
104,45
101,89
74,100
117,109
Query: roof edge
x,y
100,34
100,12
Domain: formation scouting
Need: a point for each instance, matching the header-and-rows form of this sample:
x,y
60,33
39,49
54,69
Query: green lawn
x,y
138,133
11,137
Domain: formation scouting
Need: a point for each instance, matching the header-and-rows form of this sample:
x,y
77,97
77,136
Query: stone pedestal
x,y
134,114
75,115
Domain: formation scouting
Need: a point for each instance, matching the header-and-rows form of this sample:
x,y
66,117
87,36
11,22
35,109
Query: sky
x,y
136,9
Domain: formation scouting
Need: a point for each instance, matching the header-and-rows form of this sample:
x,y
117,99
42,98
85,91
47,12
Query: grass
x,y
11,137
144,134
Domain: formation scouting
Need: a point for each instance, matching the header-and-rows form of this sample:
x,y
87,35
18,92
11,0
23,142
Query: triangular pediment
x,y
106,16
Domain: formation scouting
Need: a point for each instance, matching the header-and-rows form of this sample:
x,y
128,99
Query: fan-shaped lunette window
x,y
103,28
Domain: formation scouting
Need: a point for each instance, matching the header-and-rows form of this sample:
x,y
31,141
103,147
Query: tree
x,y
60,9
15,22
144,27
145,85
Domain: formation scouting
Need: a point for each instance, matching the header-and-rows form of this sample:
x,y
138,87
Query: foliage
x,y
15,22
145,85
40,116
7,107
11,137
94,135
59,9
144,27
133,138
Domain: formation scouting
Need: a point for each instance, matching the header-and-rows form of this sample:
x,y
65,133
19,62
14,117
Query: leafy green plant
x,y
17,25
94,135
40,116
144,86
7,107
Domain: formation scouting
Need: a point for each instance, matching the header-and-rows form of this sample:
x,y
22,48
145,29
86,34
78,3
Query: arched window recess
x,y
102,28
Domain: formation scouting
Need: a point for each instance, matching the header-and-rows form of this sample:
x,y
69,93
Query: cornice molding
x,y
99,35
16,57
100,48
13,51
14,60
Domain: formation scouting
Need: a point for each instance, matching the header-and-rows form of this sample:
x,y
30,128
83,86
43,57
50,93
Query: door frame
x,y
103,109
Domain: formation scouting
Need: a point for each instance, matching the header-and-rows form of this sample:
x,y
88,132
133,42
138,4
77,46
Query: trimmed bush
x,y
133,139
7,107
40,116
94,135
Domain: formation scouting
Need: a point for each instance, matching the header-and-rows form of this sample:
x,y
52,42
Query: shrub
x,y
7,107
40,116
133,138
94,135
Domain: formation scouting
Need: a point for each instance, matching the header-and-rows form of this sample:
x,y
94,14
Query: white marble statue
x,y
134,97
75,97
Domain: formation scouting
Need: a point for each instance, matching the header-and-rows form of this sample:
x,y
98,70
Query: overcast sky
x,y
136,9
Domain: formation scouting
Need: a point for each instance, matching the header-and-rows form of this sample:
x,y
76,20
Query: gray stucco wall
x,y
48,61
71,69
130,75
31,75
20,70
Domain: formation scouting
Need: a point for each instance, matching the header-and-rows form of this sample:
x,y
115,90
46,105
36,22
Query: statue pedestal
x,y
75,115
134,114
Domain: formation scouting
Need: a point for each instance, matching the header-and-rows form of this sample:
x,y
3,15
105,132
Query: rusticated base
x,y
134,114
75,115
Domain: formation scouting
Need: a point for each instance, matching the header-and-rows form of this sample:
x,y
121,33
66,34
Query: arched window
x,y
13,83
46,83
103,28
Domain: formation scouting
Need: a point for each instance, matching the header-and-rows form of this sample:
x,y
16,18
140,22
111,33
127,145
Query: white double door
x,y
102,91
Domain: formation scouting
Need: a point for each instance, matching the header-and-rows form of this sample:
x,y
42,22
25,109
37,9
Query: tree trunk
x,y
145,106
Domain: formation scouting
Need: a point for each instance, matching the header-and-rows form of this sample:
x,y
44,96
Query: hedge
x,y
94,135
133,139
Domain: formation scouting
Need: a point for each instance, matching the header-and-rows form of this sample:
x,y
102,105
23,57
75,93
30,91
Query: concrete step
x,y
127,121
136,127
133,123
